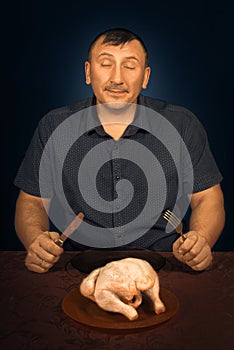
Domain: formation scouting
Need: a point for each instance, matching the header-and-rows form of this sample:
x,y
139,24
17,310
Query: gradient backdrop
x,y
44,48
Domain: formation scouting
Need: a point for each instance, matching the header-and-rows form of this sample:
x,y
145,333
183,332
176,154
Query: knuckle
x,y
196,268
51,259
193,252
42,271
195,260
48,266
57,251
30,267
54,235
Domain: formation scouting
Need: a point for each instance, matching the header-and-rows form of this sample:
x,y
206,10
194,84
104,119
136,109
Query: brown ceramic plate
x,y
87,312
88,260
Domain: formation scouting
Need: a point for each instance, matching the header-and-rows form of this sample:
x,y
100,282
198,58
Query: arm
x,y
31,218
206,224
31,224
208,215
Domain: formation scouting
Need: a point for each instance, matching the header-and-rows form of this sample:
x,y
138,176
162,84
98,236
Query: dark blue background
x,y
45,45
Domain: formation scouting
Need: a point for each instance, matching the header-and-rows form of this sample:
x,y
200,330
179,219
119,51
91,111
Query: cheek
x,y
95,79
98,76
136,80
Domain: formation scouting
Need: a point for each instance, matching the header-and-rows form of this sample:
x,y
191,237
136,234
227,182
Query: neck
x,y
116,117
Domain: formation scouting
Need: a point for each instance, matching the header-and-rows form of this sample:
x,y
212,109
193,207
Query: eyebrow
x,y
109,54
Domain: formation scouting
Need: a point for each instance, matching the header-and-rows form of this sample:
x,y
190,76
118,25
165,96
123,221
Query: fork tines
x,y
172,218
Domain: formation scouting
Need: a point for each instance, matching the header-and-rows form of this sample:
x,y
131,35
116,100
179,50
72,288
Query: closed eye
x,y
128,67
106,63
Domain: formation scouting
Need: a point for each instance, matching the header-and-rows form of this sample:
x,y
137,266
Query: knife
x,y
70,229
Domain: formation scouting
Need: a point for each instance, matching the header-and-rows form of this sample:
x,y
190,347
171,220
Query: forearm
x,y
31,218
208,217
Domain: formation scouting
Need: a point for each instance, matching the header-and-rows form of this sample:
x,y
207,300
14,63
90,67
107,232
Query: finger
x,y
36,268
50,247
44,263
187,245
34,265
39,249
54,235
199,257
177,244
204,264
198,251
47,257
38,259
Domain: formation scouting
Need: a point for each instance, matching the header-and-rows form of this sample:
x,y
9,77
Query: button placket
x,y
116,213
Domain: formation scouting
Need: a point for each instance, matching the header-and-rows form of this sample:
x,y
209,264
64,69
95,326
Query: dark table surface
x,y
32,315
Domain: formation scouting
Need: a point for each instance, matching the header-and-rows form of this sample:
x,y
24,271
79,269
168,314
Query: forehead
x,y
131,48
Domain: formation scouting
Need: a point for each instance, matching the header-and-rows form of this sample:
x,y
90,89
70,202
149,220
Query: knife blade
x,y
70,229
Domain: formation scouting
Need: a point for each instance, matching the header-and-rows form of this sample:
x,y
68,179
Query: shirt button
x,y
117,177
117,206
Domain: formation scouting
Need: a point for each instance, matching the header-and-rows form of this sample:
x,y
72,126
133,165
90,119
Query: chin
x,y
117,105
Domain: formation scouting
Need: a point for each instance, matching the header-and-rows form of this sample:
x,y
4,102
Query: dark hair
x,y
118,36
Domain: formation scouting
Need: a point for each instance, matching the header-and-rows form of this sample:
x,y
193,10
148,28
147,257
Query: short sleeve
x,y
27,178
205,170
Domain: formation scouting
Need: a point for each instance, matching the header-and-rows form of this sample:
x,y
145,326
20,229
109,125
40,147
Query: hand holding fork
x,y
194,249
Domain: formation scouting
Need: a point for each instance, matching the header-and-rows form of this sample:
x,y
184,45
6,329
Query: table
x,y
32,316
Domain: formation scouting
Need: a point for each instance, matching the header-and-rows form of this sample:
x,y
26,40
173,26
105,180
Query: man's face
x,y
117,73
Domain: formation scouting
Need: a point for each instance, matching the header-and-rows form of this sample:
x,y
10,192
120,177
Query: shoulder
x,y
182,118
167,109
64,112
56,116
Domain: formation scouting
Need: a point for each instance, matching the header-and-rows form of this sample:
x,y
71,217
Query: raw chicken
x,y
117,286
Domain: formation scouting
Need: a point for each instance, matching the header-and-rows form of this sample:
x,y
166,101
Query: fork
x,y
175,222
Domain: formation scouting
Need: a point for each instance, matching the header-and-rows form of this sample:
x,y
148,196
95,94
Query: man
x,y
117,69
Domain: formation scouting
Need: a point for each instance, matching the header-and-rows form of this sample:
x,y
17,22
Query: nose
x,y
116,75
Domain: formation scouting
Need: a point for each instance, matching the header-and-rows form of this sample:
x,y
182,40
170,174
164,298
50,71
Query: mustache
x,y
115,87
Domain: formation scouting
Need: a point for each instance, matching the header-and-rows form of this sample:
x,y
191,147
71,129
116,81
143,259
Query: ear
x,y
146,77
87,72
